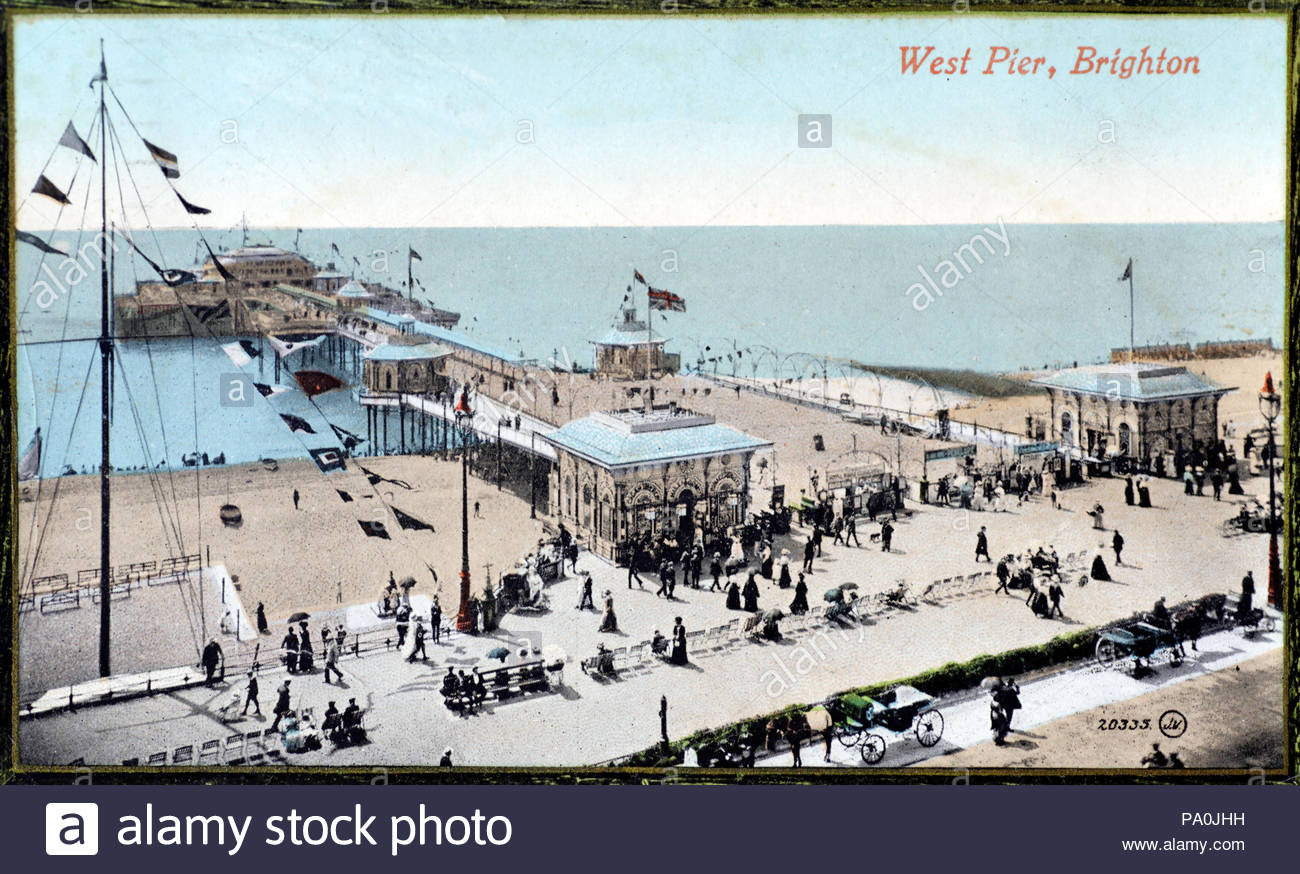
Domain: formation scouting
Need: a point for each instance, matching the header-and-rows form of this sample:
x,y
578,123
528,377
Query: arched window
x,y
1125,438
1067,429
388,380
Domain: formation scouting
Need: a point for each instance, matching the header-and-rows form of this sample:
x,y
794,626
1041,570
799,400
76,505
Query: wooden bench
x,y
503,683
116,592
61,601
26,603
50,583
87,575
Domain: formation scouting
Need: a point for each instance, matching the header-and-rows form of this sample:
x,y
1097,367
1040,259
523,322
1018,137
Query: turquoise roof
x,y
456,338
403,352
350,289
614,447
1132,382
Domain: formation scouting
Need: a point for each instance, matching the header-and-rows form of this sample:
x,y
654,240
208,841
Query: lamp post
x,y
465,427
1270,405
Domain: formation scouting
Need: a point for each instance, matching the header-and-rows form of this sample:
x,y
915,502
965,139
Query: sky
x,y
380,120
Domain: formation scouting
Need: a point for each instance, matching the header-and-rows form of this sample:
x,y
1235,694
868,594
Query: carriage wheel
x,y
847,736
929,727
873,749
1107,652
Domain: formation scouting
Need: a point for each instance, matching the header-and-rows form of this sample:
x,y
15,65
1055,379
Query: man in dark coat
x,y
1055,593
633,557
1128,490
586,600
808,550
982,545
435,620
403,623
1246,603
211,659
419,642
290,646
250,696
281,704
1004,576
851,531
1117,543
262,627
886,536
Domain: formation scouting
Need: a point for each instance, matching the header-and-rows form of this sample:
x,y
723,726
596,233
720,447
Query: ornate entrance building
x,y
662,472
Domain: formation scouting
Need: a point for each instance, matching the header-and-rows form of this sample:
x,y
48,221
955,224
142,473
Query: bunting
x,y
636,274
72,140
374,529
349,440
216,262
314,382
33,240
297,423
376,479
346,498
236,353
286,346
328,459
409,522
166,160
50,190
414,254
29,466
191,208
268,391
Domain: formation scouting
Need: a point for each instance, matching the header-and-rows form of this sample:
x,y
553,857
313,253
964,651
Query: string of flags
x,y
660,299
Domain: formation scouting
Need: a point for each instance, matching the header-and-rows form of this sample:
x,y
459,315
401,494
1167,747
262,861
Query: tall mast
x,y
105,381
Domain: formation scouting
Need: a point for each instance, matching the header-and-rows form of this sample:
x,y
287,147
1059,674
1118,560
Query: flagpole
x,y
410,286
1131,344
105,382
649,334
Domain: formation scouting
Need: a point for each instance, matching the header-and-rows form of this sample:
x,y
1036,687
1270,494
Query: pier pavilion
x,y
661,470
1139,410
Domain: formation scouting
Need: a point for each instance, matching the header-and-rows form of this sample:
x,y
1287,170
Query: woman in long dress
x,y
737,556
784,579
678,654
733,596
766,568
750,593
608,621
800,602
1099,571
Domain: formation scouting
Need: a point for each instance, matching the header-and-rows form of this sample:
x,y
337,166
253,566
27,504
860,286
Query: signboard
x,y
1037,448
954,452
846,476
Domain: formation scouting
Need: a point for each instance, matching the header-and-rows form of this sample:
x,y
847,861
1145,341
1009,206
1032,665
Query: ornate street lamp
x,y
465,428
1270,405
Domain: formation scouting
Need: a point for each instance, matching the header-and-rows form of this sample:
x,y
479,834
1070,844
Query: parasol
x,y
299,617
407,583
848,587
833,595
499,652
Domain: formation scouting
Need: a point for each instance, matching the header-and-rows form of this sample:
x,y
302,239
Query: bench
x,y
504,683
87,575
61,601
50,583
116,592
26,603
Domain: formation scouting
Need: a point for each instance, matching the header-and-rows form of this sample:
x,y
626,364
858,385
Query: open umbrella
x,y
499,652
772,615
299,617
833,595
407,583
848,587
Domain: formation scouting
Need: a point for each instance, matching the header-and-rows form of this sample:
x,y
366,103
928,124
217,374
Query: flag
x,y
73,141
269,390
636,274
50,190
415,254
1128,271
328,459
376,478
221,268
373,529
191,208
409,522
29,466
335,247
297,423
236,353
102,75
665,300
33,240
165,159
349,440
287,346
314,382
347,499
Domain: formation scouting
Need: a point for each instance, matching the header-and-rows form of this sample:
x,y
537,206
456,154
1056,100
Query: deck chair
x,y
210,752
157,759
232,751
254,752
183,755
272,746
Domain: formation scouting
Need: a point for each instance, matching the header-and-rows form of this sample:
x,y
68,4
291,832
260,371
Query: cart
x,y
899,710
1138,641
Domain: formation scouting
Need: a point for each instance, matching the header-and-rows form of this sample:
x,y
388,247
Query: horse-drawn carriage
x,y
1140,642
856,719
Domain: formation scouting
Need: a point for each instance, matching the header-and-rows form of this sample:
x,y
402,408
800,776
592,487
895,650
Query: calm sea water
x,y
1049,295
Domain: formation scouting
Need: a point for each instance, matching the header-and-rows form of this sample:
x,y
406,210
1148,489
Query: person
x,y
306,656
352,723
419,641
1246,603
1117,543
837,529
1007,694
281,704
817,539
435,620
1144,494
403,623
1098,514
1055,593
715,571
445,761
450,683
1004,575
340,635
982,545
332,724
1216,482
1099,571
886,536
586,600
783,578
633,559
332,661
1189,482
476,515
608,621
851,531
1155,758
808,550
663,578
658,643
212,656
794,737
733,595
800,602
1175,761
1160,614
295,500
228,623
1128,490
289,648
262,627
998,720
250,695
750,593
765,567
678,655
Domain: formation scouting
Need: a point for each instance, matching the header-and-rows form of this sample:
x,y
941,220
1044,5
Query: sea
x,y
760,301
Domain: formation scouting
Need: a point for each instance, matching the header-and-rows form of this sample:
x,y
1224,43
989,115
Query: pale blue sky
x,y
388,121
